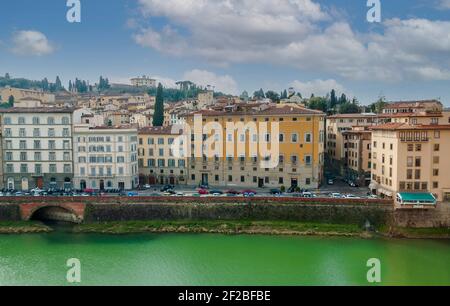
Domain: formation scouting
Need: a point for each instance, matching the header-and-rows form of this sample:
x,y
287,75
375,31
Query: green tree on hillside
x,y
275,97
333,99
259,94
318,103
378,106
158,116
58,84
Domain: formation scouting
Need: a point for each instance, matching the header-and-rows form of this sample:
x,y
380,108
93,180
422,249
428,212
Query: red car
x,y
203,191
233,192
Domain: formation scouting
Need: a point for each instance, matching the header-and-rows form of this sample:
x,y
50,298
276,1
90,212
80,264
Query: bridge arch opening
x,y
54,214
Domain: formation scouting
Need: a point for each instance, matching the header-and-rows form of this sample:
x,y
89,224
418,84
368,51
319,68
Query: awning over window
x,y
417,198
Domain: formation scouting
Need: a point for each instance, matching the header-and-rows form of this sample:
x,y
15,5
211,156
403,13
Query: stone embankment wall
x,y
98,209
9,212
340,212
417,218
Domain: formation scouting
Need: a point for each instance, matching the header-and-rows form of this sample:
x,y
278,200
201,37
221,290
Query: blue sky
x,y
236,45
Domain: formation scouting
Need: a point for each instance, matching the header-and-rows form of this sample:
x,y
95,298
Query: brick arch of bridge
x,y
27,210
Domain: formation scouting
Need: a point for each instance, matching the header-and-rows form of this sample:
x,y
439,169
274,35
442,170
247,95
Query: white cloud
x,y
222,83
317,87
166,82
31,43
444,4
297,33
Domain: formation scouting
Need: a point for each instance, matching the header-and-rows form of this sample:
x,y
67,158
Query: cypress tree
x,y
158,116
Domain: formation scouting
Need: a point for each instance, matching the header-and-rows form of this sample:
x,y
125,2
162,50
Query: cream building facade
x,y
336,127
143,81
411,158
205,98
105,158
21,94
358,155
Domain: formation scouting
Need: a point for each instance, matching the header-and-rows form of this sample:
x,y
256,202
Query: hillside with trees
x,y
22,83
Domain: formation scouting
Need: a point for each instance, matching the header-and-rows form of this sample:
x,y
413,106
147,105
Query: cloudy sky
x,y
236,45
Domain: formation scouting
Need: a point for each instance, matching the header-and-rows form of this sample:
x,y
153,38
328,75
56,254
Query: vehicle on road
x,y
330,182
276,192
308,195
216,193
232,192
336,195
147,187
249,193
132,194
169,192
167,188
203,192
351,196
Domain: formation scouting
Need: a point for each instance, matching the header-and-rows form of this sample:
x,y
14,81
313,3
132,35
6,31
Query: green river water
x,y
175,259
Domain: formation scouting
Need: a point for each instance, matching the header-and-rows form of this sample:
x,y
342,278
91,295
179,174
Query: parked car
x,y
308,195
351,196
167,188
373,197
330,182
336,195
169,192
232,192
216,193
147,187
203,192
132,194
275,192
249,193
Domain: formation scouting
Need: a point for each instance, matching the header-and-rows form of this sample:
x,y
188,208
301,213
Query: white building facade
x,y
37,148
105,158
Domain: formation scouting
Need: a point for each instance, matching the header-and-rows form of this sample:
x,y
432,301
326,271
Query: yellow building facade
x,y
297,132
157,163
